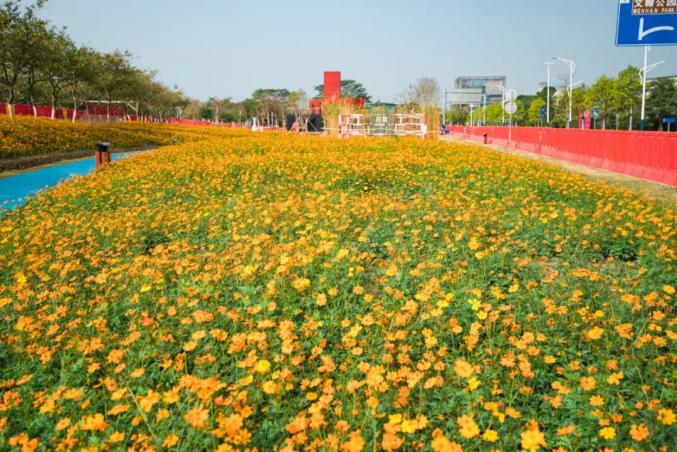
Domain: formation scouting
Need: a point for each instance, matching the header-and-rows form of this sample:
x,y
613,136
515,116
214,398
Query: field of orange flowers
x,y
22,137
281,292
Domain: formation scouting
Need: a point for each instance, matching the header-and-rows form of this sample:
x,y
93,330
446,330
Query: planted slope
x,y
273,291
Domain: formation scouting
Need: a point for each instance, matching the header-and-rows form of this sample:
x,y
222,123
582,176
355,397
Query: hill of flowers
x,y
279,292
23,137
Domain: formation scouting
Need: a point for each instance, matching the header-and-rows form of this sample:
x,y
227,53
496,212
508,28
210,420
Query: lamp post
x,y
484,119
547,95
572,69
642,75
502,105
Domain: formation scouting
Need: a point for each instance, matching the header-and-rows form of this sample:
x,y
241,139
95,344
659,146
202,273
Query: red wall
x,y
647,155
61,113
332,85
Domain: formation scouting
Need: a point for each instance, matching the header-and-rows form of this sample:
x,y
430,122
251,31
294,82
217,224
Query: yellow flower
x,y
408,426
467,427
596,400
263,366
270,387
463,368
532,438
95,422
395,418
595,333
490,436
607,433
666,416
473,383
171,440
301,284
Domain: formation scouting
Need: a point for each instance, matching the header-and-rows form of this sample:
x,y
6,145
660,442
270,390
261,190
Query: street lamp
x,y
572,69
642,75
547,95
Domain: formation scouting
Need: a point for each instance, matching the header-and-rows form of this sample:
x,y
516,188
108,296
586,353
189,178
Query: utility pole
x,y
484,118
643,76
572,69
502,105
547,94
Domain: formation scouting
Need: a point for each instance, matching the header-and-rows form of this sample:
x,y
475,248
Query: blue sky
x,y
230,48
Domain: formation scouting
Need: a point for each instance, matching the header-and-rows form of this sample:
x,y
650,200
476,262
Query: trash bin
x,y
102,154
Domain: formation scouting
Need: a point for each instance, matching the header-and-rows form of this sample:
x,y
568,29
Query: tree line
x,y
616,99
41,65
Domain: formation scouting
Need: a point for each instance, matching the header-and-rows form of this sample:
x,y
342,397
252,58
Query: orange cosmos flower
x,y
197,417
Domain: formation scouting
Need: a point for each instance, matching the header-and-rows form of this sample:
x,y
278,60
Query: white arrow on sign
x,y
643,34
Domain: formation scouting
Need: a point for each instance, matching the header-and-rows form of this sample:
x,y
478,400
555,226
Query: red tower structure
x,y
332,86
332,93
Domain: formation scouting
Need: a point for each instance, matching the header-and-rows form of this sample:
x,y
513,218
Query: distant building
x,y
491,86
650,80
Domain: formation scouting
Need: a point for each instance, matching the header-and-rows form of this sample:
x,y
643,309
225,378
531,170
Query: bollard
x,y
102,154
486,138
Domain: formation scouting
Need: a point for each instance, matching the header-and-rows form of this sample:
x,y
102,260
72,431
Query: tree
x,y
349,88
494,113
20,33
457,115
543,93
55,65
601,95
34,71
534,112
661,102
425,92
80,62
627,95
114,72
520,116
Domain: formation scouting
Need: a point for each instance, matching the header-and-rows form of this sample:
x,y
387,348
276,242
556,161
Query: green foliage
x,y
661,102
457,116
601,95
349,88
494,114
534,115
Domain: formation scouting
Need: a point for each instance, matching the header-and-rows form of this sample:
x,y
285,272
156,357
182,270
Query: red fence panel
x,y
647,155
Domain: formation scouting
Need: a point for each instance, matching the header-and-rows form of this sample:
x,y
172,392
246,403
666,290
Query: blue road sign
x,y
543,112
669,120
646,22
595,113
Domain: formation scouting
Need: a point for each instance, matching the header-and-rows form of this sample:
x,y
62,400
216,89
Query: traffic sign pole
x,y
642,121
646,23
